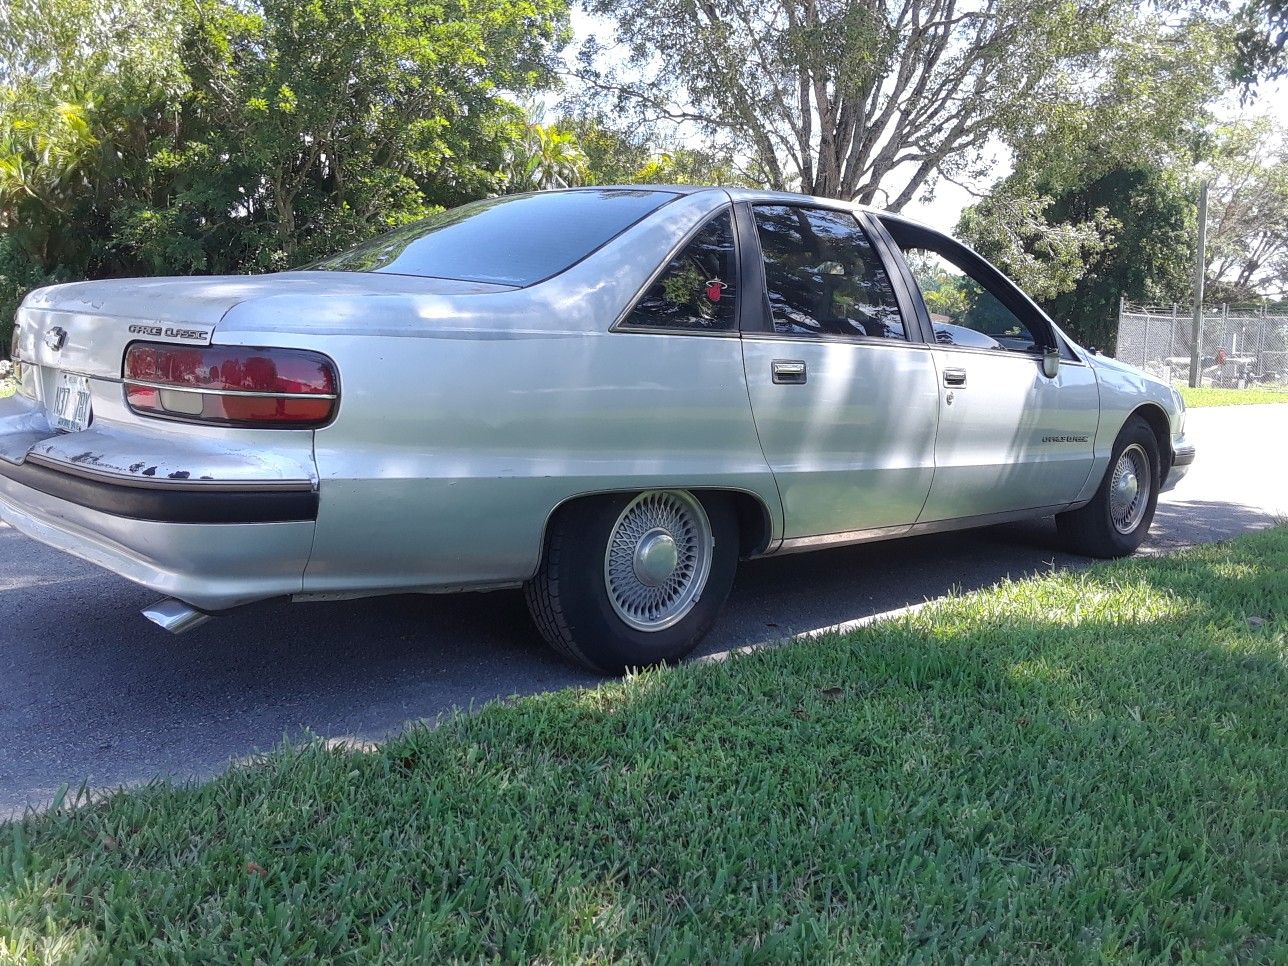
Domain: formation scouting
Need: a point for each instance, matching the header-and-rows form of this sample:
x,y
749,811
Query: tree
x,y
346,115
640,157
544,157
1045,259
1125,232
1137,224
1100,203
179,136
1262,42
44,147
1148,252
80,82
1247,245
854,100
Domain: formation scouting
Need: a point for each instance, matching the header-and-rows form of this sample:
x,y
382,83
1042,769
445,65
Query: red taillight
x,y
230,384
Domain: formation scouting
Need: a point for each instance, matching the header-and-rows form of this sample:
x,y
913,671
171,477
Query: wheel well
x,y
1157,421
753,521
754,526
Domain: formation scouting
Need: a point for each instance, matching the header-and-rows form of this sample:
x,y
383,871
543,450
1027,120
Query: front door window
x,y
962,311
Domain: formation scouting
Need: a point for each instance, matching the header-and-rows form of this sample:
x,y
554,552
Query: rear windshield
x,y
515,240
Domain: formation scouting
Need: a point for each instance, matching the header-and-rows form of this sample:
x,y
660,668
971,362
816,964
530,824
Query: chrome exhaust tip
x,y
175,616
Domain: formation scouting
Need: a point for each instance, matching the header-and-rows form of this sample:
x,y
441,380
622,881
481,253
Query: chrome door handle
x,y
788,372
954,377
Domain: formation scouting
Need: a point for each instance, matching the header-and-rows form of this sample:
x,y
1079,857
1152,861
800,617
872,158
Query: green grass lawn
x,y
1209,396
1087,765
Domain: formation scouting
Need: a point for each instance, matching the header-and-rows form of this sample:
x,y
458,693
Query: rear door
x,y
842,388
1010,438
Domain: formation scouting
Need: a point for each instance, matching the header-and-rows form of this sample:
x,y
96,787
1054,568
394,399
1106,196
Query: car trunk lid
x,y
85,327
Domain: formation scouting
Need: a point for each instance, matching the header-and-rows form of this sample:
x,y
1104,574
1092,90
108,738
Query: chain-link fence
x,y
1240,346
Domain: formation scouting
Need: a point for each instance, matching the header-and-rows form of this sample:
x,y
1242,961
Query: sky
x,y
944,207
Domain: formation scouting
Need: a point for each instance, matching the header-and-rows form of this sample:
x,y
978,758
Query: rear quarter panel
x,y
464,421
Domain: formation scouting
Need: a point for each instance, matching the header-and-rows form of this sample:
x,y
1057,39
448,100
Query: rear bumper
x,y
211,516
169,502
211,565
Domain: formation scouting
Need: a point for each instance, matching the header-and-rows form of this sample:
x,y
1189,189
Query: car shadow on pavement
x,y
99,693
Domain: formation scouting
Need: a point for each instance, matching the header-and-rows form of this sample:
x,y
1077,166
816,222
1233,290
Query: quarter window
x,y
823,275
698,289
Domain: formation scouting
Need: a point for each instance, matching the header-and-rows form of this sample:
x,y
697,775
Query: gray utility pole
x,y
1199,264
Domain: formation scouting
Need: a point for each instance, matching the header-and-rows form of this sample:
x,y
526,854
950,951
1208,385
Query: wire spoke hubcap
x,y
1129,489
658,559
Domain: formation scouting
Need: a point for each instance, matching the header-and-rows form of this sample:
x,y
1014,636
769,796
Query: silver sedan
x,y
605,396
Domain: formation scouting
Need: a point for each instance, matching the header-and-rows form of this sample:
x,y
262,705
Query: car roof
x,y
762,196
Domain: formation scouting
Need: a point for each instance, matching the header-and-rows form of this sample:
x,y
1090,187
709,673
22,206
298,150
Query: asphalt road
x,y
89,691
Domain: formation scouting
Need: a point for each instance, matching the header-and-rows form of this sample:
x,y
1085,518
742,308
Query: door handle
x,y
788,372
954,377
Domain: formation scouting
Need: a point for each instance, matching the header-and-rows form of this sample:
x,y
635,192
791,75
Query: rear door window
x,y
823,276
514,240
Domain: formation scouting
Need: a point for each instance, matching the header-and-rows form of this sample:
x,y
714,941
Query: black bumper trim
x,y
178,505
1183,456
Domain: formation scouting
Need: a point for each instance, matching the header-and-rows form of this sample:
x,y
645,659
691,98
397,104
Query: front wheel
x,y
634,580
1117,519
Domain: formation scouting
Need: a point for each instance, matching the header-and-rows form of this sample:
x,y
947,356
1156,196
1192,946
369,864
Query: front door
x,y
845,405
1010,438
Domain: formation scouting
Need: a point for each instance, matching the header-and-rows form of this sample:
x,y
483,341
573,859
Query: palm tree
x,y
545,157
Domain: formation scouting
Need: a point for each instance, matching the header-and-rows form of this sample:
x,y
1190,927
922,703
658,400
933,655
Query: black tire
x,y
1091,530
569,596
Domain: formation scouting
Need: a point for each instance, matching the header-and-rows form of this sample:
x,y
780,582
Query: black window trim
x,y
621,325
903,233
761,323
905,286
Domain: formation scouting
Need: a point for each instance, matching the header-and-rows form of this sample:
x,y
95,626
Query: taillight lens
x,y
233,385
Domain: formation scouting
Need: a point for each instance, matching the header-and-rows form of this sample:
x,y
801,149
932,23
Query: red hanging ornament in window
x,y
714,289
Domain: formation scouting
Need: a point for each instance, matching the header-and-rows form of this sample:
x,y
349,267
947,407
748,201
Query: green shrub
x,y
18,276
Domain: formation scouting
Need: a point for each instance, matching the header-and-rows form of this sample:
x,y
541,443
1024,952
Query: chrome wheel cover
x,y
658,559
1129,489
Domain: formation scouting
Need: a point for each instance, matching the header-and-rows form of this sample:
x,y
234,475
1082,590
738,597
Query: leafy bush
x,y
18,276
169,137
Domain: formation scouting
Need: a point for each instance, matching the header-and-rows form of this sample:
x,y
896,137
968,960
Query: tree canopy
x,y
181,136
221,136
1084,234
872,103
1247,245
1262,41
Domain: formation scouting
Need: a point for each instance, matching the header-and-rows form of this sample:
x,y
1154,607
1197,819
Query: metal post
x,y
1144,351
1200,264
1171,342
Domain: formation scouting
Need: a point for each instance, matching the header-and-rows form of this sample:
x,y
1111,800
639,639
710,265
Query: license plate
x,y
71,409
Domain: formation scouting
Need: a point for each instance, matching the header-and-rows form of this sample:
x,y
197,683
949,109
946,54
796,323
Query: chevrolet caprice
x,y
606,396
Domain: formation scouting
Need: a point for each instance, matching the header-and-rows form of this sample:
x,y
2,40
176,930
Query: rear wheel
x,y
634,580
1117,519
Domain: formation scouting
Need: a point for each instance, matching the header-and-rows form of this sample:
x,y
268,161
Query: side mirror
x,y
1050,362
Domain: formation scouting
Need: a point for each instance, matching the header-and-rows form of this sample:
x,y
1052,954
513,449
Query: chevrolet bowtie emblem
x,y
55,337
